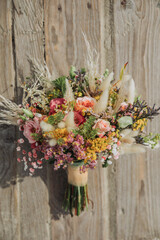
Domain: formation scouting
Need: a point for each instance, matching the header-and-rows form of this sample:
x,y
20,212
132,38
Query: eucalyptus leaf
x,y
125,121
28,113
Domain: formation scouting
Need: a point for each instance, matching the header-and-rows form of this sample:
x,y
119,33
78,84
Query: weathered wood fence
x,y
126,195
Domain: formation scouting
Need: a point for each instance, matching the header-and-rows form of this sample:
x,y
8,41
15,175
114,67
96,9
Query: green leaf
x,y
106,73
60,141
125,121
36,136
23,118
60,83
72,72
28,113
56,118
83,70
86,129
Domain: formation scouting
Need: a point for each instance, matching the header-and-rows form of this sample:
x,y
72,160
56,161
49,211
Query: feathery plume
x,y
131,91
92,63
126,148
123,92
10,111
101,105
69,96
70,124
106,82
42,73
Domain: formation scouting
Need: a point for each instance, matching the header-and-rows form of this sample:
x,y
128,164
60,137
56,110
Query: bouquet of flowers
x,y
77,120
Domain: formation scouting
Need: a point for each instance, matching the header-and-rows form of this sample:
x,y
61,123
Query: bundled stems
x,y
76,199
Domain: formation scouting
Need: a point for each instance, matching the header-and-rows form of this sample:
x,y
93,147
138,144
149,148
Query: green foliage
x,y
152,140
60,84
60,141
37,136
86,129
28,113
83,70
55,93
106,73
56,118
72,72
105,164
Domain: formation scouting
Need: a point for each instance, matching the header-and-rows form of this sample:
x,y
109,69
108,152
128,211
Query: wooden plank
x,y
137,34
9,226
64,23
6,50
29,41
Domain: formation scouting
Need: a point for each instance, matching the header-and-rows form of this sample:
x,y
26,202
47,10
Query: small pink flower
x,y
31,170
21,140
101,135
33,151
34,164
18,159
19,121
31,126
23,152
24,159
35,155
29,154
102,126
118,143
39,162
116,156
109,147
46,157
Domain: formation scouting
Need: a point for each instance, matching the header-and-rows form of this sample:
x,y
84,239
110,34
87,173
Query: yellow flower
x,y
57,133
140,124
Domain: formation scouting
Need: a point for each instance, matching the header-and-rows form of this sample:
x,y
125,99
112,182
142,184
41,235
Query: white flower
x,y
52,142
109,162
61,124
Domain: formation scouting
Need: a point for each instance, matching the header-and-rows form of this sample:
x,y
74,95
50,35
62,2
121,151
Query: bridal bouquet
x,y
77,120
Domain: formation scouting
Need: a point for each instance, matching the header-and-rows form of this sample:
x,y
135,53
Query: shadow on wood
x,y
12,172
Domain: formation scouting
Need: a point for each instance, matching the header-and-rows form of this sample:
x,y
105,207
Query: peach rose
x,y
84,103
102,126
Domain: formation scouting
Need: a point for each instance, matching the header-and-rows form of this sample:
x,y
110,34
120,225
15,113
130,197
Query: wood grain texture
x,y
6,49
9,220
29,42
64,23
137,34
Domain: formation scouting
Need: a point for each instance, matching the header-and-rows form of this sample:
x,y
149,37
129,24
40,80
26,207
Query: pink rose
x,y
54,103
102,126
31,126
